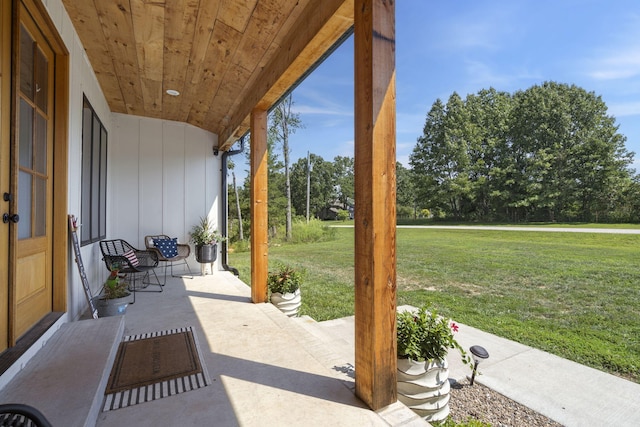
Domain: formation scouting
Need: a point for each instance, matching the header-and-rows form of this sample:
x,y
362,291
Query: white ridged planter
x,y
424,387
288,303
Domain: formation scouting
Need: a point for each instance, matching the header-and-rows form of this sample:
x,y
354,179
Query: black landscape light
x,y
479,353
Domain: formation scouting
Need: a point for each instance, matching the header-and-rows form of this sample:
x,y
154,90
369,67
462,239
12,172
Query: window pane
x,y
40,158
26,134
85,220
95,180
41,81
103,184
26,63
40,207
94,177
24,205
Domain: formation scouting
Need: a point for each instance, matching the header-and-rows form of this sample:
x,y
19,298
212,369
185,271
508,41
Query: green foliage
x,y
205,233
285,279
423,335
114,287
470,422
343,215
314,231
343,179
548,153
404,212
321,185
240,246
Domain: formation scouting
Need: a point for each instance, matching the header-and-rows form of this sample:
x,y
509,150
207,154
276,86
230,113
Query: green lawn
x,y
576,295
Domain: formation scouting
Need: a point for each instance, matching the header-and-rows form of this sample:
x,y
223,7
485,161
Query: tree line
x,y
547,153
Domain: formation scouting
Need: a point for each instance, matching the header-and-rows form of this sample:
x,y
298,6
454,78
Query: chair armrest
x,y
184,250
147,258
158,253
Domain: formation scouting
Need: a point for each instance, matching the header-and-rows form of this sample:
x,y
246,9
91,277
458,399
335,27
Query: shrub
x,y
314,231
343,215
241,246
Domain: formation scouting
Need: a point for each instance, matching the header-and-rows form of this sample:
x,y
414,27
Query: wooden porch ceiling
x,y
225,57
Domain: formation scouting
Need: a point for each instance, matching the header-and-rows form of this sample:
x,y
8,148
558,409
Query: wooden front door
x,y
33,168
32,176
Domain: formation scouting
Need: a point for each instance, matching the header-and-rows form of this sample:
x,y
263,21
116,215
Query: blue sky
x,y
469,45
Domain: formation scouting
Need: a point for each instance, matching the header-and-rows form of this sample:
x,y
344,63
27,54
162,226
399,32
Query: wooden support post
x,y
375,203
259,203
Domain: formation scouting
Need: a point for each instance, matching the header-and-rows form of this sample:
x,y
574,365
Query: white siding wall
x,y
162,175
82,80
162,178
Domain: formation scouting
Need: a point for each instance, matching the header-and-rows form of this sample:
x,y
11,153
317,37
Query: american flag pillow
x,y
131,256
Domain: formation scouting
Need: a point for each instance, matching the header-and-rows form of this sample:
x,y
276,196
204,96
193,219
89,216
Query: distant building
x,y
330,212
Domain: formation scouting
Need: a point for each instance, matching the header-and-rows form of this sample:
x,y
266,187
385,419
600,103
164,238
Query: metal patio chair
x,y
170,252
136,264
18,414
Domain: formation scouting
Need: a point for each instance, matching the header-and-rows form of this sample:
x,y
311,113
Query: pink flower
x,y
454,327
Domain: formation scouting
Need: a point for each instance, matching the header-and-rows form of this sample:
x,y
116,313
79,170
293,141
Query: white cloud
x,y
470,35
482,26
501,77
621,109
622,64
322,110
619,55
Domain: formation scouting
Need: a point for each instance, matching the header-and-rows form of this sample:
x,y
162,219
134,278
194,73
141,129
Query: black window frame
x,y
93,217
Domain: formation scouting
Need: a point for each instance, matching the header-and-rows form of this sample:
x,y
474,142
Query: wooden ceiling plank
x,y
180,23
247,86
117,24
152,94
257,45
205,25
217,61
236,14
85,18
266,21
181,17
228,90
149,35
320,21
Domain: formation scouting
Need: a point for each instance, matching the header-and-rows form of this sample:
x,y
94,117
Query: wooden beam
x,y
375,203
259,202
60,180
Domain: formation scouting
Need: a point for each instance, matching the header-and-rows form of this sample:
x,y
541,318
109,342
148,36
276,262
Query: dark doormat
x,y
153,366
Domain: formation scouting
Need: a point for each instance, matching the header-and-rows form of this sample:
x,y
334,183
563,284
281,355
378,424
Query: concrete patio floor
x,y
265,368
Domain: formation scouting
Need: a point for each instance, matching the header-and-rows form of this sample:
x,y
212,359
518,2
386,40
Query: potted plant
x,y
205,238
114,298
284,286
423,341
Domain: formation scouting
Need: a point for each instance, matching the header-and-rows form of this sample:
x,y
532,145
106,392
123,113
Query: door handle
x,y
13,218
